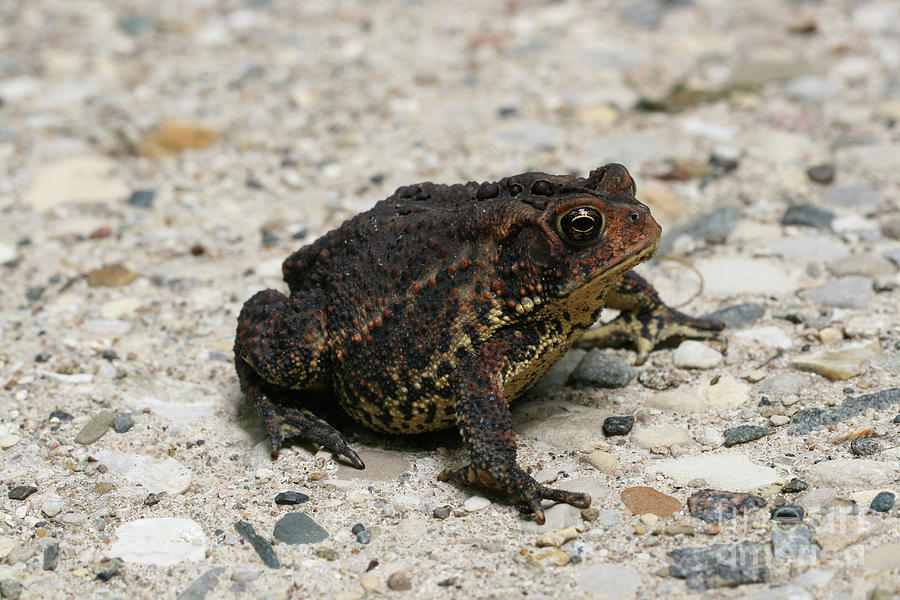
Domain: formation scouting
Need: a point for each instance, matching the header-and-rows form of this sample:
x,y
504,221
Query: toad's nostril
x,y
634,217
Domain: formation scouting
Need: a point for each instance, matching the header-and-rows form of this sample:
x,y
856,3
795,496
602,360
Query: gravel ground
x,y
160,159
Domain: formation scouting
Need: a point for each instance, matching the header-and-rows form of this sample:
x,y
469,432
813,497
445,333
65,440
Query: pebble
x,y
849,472
660,379
201,586
357,528
52,506
883,502
852,196
727,276
870,265
738,315
852,291
823,173
9,440
142,198
8,253
610,581
600,370
10,584
111,276
94,429
399,582
864,447
812,248
794,485
721,471
604,462
779,420
807,215
380,466
661,436
153,475
244,573
122,423
476,503
21,492
21,553
174,137
815,419
709,436
642,499
260,544
298,528
840,364
613,426
50,557
883,558
788,513
794,541
692,354
161,541
716,506
556,537
745,433
890,229
290,498
720,565
364,537
70,517
441,512
713,228
106,568
545,557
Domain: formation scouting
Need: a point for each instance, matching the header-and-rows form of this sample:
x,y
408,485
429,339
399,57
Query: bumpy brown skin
x,y
442,304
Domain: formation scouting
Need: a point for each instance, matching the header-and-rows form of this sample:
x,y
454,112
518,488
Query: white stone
x,y
692,354
604,462
816,248
733,472
727,392
52,506
661,436
181,402
849,472
9,440
610,581
8,253
163,542
79,179
771,337
476,503
119,308
578,428
726,277
153,475
709,436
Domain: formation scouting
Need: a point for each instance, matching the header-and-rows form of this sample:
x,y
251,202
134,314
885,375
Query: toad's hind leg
x,y
279,347
646,322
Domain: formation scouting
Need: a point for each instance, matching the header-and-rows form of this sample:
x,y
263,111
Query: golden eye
x,y
581,225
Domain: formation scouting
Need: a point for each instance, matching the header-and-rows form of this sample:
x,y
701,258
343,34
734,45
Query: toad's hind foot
x,y
518,484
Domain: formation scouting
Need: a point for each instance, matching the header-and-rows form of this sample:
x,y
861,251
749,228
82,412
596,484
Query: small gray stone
x,y
21,553
261,545
441,512
613,426
106,568
745,433
815,419
794,541
714,506
811,88
738,315
720,565
600,370
810,216
864,446
713,228
891,229
298,528
853,195
202,585
291,498
883,502
95,428
10,589
847,292
51,556
21,492
122,423
788,513
821,173
794,485
244,574
142,198
893,255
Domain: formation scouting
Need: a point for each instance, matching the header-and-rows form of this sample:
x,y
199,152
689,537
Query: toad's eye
x,y
581,226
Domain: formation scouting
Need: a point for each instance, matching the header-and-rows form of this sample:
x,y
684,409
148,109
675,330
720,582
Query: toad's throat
x,y
611,274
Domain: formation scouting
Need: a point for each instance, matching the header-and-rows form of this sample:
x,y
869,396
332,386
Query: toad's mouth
x,y
609,275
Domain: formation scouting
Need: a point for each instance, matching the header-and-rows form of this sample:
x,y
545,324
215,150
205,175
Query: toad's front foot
x,y
518,484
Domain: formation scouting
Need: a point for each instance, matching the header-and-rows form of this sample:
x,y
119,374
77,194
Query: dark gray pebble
x,y
864,447
720,565
202,585
808,216
441,512
794,485
364,537
883,502
34,293
715,506
298,528
42,357
617,425
291,498
814,419
109,354
897,419
61,415
260,544
142,198
20,492
821,173
738,315
107,568
122,423
788,513
357,528
51,556
745,433
600,370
